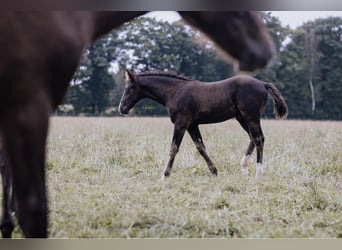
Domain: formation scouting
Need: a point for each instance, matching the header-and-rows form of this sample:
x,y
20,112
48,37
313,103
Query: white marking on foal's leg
x,y
244,163
259,169
162,178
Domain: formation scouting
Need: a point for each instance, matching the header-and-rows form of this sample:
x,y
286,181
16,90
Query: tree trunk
x,y
312,96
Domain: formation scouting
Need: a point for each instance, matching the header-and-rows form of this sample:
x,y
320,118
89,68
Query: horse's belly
x,y
215,116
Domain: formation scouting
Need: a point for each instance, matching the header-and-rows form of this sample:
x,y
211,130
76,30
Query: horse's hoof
x,y
259,170
244,171
7,229
164,177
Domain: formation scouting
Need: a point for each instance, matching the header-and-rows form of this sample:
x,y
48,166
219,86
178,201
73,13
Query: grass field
x,y
103,176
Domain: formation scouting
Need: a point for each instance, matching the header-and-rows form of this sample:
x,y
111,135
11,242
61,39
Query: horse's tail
x,y
280,106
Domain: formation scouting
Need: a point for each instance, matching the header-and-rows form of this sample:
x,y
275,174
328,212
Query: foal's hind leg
x,y
178,134
197,139
258,139
6,224
251,146
246,157
25,131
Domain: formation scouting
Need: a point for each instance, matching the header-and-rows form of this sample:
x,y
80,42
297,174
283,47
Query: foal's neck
x,y
160,89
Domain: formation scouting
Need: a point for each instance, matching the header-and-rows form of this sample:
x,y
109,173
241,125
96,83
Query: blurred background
x,y
307,67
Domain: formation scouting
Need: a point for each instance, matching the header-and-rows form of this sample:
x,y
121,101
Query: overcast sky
x,y
292,18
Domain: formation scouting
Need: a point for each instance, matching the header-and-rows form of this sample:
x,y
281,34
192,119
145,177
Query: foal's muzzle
x,y
123,110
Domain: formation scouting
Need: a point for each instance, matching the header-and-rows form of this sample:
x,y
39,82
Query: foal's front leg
x,y
178,133
197,139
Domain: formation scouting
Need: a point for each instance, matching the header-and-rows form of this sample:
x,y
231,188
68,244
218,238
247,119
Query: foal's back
x,y
236,84
211,102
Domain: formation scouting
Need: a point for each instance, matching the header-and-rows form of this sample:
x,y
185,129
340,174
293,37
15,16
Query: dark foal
x,y
40,53
190,103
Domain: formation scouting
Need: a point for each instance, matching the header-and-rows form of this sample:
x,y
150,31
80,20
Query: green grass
x,y
103,176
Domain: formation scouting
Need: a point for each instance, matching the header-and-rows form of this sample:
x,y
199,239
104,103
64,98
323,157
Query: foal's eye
x,y
131,88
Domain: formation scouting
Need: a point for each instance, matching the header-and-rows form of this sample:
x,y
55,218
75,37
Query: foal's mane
x,y
165,74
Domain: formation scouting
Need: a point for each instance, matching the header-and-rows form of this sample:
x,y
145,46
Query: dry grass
x,y
103,176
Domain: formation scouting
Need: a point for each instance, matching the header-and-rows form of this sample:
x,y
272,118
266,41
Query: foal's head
x,y
132,94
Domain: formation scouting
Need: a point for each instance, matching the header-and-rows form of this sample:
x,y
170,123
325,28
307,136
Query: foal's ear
x,y
130,75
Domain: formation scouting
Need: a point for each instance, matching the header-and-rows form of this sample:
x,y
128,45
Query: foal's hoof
x,y
214,171
244,171
164,176
259,170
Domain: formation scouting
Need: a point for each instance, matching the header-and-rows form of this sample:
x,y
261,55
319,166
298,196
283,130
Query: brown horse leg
x,y
251,146
258,138
25,134
246,157
197,139
178,134
6,224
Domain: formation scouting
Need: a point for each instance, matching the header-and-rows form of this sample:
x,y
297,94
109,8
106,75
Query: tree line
x,y
307,66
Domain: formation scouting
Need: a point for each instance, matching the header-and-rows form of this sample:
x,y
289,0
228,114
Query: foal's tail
x,y
280,106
